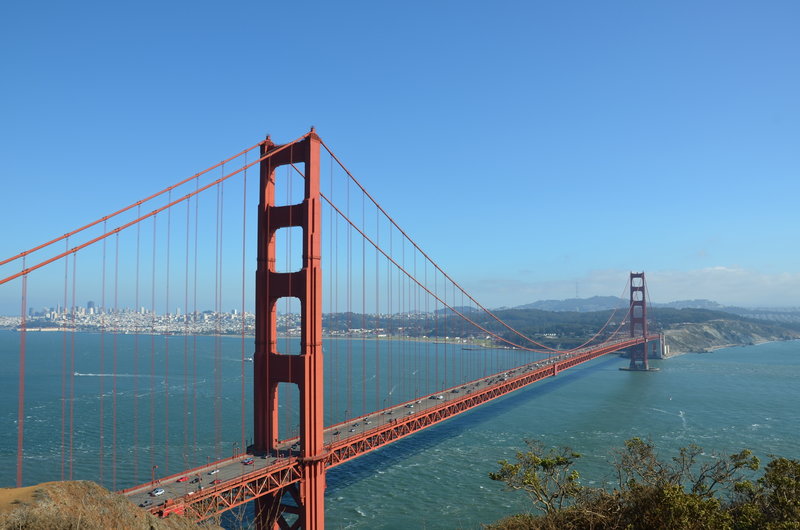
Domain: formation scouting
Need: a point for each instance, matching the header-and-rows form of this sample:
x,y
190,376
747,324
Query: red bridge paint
x,y
287,474
289,491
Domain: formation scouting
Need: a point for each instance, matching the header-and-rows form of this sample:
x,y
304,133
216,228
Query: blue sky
x,y
532,149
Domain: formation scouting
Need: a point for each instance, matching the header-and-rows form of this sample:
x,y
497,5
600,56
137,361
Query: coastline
x,y
474,343
716,347
689,338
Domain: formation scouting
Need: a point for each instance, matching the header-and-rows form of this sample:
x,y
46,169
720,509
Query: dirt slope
x,y
78,504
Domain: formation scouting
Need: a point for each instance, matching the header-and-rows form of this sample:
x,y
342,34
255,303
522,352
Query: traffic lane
x,y
199,481
230,470
362,424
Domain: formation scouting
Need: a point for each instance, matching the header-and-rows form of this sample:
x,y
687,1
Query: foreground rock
x,y
79,504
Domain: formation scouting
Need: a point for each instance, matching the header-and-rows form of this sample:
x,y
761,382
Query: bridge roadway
x,y
218,486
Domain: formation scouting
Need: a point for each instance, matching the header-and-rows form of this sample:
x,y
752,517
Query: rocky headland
x,y
700,337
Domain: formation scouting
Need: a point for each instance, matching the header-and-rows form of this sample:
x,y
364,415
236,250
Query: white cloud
x,y
728,286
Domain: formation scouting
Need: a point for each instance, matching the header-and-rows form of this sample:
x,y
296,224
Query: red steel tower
x,y
271,367
638,316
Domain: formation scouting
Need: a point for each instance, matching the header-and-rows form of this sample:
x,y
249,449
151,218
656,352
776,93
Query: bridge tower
x,y
638,315
305,499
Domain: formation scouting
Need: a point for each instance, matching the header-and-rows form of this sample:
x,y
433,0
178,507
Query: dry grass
x,y
77,505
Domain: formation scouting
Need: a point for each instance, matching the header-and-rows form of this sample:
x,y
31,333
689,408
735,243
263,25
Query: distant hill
x,y
579,305
692,304
605,303
687,329
784,315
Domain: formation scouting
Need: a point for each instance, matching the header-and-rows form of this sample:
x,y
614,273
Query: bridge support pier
x,y
290,507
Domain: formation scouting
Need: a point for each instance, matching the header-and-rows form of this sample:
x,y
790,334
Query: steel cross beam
x,y
271,366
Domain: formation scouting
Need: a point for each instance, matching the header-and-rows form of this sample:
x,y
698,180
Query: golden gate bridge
x,y
327,286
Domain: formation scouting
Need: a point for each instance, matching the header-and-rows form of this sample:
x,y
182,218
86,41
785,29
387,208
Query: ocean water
x,y
730,399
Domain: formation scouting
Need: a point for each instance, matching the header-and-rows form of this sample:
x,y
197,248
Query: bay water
x,y
724,401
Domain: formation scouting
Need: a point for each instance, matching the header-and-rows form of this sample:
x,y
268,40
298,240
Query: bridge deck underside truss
x,y
213,501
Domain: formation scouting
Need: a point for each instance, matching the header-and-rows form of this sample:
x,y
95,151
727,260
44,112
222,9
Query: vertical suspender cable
x,y
436,327
410,323
408,367
72,371
194,320
102,351
365,407
336,344
378,350
216,327
153,351
428,341
418,355
374,324
332,356
186,343
464,337
136,357
454,345
407,354
401,288
390,339
62,315
166,339
349,310
115,350
444,334
413,322
217,341
244,270
219,315
21,390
